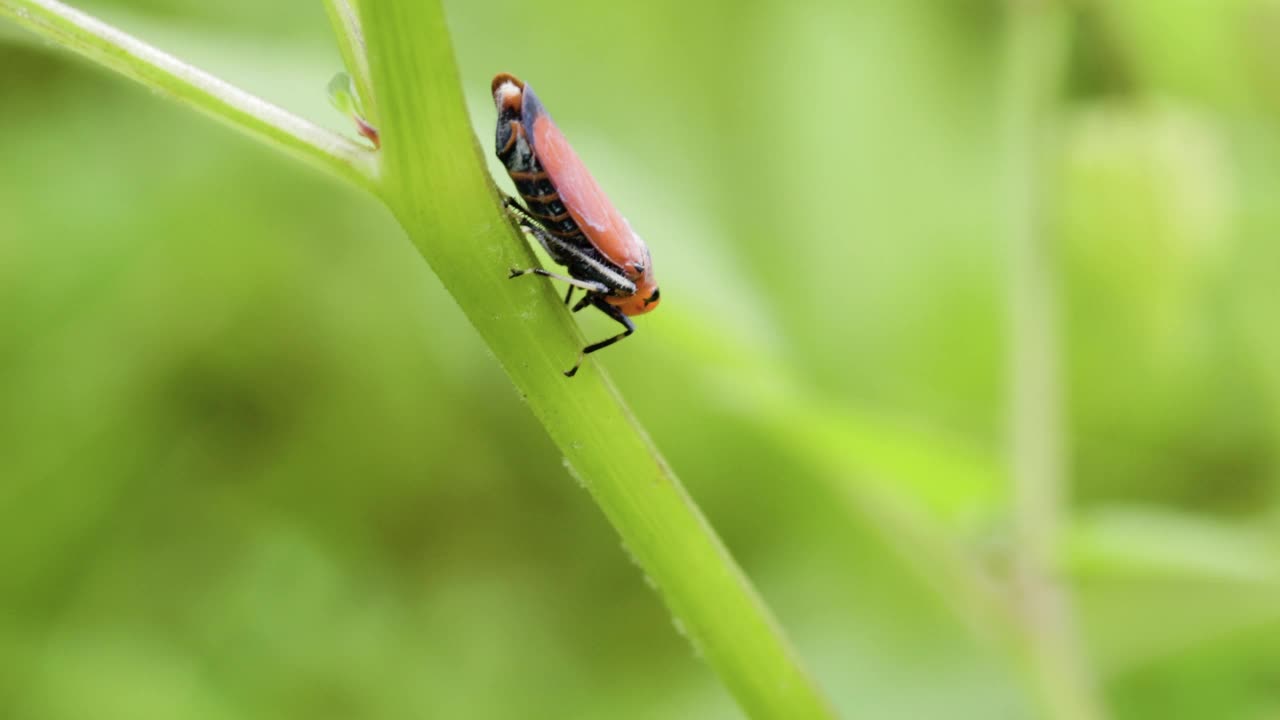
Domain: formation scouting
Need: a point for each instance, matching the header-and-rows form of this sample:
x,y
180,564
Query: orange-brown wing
x,y
599,220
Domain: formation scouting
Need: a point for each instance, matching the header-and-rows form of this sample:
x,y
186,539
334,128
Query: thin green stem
x,y
345,19
437,186
191,86
1042,603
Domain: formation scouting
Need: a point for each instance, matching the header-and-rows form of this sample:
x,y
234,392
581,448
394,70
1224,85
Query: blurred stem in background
x,y
1035,62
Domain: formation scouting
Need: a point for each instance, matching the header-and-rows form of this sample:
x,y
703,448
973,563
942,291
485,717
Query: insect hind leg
x,y
612,312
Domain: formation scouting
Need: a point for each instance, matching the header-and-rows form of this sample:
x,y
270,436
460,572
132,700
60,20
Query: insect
x,y
568,213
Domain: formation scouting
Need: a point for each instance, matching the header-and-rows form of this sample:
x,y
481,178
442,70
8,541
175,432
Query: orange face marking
x,y
645,299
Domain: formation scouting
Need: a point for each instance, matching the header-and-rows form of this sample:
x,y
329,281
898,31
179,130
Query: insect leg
x,y
555,247
568,294
523,217
588,285
614,313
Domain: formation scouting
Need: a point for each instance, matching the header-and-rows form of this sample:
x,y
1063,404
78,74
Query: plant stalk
x,y
169,76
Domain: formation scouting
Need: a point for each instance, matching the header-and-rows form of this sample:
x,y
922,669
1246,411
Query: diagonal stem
x,y
191,86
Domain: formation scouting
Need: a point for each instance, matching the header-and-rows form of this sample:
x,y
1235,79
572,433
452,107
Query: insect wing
x,y
581,194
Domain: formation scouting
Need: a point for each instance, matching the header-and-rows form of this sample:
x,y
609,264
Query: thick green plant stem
x,y
1041,602
191,86
437,185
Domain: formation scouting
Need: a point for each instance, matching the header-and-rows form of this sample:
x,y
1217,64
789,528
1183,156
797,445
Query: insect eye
x,y
652,298
638,268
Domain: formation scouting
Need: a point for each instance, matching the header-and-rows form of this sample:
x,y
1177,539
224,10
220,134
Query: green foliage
x,y
254,461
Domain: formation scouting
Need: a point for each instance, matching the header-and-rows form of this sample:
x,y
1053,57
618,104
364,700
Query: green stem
x,y
1042,603
345,20
437,185
191,86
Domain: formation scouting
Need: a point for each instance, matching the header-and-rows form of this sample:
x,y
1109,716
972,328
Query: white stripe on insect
x,y
616,279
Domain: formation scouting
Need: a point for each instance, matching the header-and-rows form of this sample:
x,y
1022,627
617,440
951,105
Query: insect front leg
x,y
612,312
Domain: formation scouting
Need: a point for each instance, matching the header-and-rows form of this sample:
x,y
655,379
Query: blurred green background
x,y
255,464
